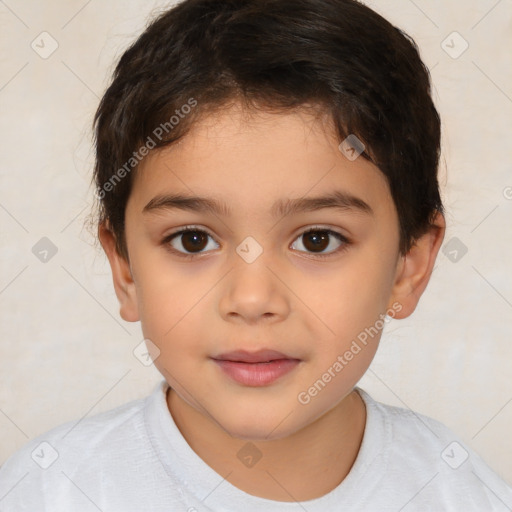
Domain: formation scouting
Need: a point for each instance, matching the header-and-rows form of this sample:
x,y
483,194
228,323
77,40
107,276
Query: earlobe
x,y
415,268
121,274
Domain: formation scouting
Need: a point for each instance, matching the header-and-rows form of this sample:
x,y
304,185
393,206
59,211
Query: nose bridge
x,y
253,288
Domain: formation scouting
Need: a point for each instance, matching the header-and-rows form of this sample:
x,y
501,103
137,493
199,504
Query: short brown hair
x,y
277,55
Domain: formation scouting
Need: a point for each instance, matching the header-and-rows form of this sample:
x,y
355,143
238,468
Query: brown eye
x,y
316,241
194,241
188,241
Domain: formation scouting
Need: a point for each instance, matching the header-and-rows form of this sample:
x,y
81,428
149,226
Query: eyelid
x,y
191,227
301,230
320,227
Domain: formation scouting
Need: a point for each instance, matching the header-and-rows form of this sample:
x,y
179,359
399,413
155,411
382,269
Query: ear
x,y
121,274
415,268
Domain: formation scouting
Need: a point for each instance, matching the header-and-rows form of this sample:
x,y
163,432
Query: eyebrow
x,y
338,200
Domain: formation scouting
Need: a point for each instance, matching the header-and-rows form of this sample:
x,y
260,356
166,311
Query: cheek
x,y
355,294
171,304
348,304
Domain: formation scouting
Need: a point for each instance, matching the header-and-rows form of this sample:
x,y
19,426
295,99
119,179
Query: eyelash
x,y
186,229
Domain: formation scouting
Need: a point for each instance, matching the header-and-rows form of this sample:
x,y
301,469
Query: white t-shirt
x,y
134,458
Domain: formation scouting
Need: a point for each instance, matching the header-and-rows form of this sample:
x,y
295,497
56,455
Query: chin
x,y
257,427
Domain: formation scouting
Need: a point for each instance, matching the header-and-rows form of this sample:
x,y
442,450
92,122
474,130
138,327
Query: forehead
x,y
253,162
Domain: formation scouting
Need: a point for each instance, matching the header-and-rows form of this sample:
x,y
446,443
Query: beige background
x,y
65,352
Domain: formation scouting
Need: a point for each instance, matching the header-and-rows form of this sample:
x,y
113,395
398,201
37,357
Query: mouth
x,y
261,356
255,369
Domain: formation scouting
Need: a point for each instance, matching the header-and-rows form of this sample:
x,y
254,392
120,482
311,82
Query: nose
x,y
254,292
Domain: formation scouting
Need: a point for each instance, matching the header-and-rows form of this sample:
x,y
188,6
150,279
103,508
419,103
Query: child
x,y
267,180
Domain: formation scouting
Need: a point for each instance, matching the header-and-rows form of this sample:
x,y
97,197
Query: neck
x,y
302,466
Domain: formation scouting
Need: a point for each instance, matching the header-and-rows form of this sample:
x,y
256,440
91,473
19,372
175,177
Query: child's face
x,y
285,299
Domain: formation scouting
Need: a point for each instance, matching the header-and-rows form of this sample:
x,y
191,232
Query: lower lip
x,y
257,374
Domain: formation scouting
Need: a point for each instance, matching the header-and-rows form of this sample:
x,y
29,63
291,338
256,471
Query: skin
x,y
288,299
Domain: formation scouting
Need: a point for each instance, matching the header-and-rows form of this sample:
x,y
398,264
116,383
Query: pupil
x,y
193,240
318,239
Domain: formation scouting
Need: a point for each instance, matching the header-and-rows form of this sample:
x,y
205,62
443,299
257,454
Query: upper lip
x,y
259,356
